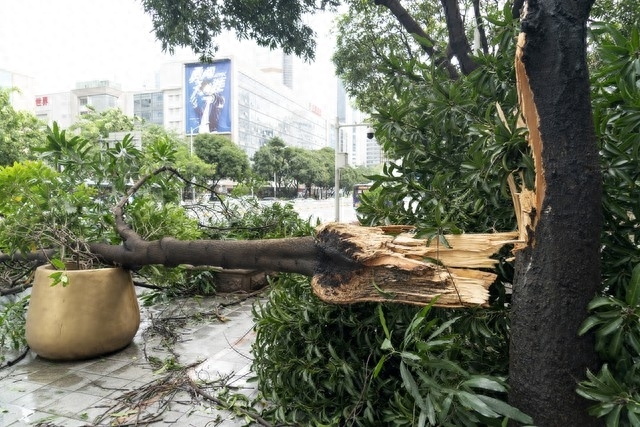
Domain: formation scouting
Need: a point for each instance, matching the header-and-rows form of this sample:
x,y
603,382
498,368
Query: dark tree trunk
x,y
558,272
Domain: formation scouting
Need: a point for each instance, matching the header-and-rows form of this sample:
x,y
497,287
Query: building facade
x,y
249,93
222,97
66,108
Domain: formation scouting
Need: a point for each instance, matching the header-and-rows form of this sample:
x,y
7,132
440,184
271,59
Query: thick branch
x,y
457,37
412,27
480,27
293,255
41,256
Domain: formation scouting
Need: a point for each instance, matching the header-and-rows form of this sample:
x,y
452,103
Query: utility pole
x,y
340,160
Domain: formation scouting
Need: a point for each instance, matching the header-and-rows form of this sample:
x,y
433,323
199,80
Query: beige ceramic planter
x,y
95,314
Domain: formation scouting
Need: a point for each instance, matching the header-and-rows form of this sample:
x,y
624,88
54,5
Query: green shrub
x,y
366,364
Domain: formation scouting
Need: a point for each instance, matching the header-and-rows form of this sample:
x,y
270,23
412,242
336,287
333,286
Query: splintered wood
x,y
400,268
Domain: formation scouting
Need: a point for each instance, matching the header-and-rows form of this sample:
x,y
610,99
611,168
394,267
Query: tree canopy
x,y
195,24
19,131
226,158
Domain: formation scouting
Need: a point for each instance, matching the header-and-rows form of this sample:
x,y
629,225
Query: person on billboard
x,y
206,97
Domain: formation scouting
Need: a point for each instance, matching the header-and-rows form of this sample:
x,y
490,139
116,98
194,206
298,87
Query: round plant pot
x,y
96,313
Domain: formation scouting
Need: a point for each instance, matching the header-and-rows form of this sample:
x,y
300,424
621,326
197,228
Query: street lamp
x,y
340,160
191,140
193,188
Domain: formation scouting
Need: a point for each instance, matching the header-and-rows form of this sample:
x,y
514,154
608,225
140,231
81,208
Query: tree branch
x,y
480,27
457,37
412,27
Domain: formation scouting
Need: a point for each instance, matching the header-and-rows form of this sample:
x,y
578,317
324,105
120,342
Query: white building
x,y
23,98
269,94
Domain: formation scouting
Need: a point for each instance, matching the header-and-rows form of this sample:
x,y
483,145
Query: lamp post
x,y
193,189
340,162
191,140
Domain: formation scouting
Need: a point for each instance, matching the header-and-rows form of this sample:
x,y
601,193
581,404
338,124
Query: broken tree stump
x,y
400,268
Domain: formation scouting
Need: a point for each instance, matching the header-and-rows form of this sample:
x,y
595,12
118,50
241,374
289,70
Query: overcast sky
x,y
61,42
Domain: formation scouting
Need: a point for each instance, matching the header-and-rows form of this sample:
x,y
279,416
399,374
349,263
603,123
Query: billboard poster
x,y
208,97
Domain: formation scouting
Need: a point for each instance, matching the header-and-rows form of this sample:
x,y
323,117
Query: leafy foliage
x,y
456,141
615,388
251,221
41,209
195,24
94,125
616,105
226,158
19,131
364,364
12,323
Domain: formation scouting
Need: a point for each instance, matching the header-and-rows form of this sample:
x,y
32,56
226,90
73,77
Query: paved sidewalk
x,y
125,388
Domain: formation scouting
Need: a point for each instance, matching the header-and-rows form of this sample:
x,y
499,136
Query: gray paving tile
x,y
72,394
15,387
132,371
105,366
74,405
40,398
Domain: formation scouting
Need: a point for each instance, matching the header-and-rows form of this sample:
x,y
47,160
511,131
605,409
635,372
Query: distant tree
x,y
95,125
270,162
19,131
229,160
326,158
305,168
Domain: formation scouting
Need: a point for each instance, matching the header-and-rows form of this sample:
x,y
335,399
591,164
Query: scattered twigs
x,y
148,403
199,391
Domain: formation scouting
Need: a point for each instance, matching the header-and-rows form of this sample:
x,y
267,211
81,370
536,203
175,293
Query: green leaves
x,y
616,324
432,373
12,323
619,405
633,288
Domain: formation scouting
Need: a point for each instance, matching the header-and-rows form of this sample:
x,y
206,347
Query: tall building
x,y
23,97
149,107
229,97
66,108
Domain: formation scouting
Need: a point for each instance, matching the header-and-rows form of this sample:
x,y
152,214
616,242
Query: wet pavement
x,y
185,353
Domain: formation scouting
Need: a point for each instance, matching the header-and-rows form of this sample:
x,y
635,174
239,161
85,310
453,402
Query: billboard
x,y
208,97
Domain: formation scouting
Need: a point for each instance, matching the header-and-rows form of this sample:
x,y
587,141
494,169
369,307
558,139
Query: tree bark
x,y
558,270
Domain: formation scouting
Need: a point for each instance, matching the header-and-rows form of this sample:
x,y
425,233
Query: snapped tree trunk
x,y
558,270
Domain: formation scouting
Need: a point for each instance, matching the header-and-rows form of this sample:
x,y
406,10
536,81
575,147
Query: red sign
x,y
315,109
41,101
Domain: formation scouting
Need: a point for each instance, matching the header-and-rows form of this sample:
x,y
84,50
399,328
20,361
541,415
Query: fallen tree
x,y
348,263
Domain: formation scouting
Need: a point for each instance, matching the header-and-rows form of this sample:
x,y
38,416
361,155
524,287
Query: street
x,y
324,210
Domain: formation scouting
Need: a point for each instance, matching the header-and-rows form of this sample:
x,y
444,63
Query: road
x,y
325,210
